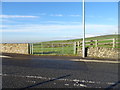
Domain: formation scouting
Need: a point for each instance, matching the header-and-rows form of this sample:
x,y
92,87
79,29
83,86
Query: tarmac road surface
x,y
26,71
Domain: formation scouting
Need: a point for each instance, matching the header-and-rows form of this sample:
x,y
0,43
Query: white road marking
x,y
32,81
71,80
1,56
82,85
66,84
54,83
101,61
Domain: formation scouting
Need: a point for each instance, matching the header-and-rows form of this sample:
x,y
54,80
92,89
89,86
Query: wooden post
x,y
113,42
78,43
52,47
42,48
74,47
62,48
96,43
32,48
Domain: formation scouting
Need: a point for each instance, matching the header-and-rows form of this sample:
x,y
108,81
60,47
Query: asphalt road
x,y
24,72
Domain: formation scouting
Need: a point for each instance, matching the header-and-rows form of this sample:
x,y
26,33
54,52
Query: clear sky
x,y
45,21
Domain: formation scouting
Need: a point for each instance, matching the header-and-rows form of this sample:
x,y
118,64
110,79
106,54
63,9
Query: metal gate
x,y
53,48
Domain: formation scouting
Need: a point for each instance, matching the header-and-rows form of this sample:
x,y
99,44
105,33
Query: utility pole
x,y
83,48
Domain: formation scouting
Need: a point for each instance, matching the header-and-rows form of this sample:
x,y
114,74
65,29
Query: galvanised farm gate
x,y
53,48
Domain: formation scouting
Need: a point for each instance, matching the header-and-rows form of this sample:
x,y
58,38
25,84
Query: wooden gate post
x,y
113,42
42,47
31,48
74,47
96,43
78,43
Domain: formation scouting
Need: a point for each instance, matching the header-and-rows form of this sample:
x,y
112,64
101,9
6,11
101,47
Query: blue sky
x,y
46,21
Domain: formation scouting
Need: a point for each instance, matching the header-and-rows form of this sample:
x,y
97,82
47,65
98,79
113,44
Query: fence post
x,y
74,47
42,47
96,43
113,42
32,48
52,48
78,43
62,48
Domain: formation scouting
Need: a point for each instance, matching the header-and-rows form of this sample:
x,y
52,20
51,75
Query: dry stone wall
x,y
101,52
93,52
14,48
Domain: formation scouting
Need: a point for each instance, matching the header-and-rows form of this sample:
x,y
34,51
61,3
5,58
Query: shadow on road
x,y
44,82
53,52
112,86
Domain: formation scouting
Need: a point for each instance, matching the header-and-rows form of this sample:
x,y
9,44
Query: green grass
x,y
54,51
91,38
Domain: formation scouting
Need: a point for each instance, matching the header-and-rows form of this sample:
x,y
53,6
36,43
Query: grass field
x,y
91,38
54,51
61,48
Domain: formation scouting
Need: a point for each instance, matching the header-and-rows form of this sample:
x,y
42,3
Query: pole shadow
x,y
112,86
52,52
86,51
44,82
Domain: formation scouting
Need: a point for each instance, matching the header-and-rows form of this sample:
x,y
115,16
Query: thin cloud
x,y
63,22
39,28
17,16
3,26
90,35
92,28
42,14
77,15
6,21
57,15
92,16
111,19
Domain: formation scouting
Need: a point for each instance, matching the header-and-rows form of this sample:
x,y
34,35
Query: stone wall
x,y
15,48
101,52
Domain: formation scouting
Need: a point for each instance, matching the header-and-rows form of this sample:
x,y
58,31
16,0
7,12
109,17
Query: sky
x,y
27,22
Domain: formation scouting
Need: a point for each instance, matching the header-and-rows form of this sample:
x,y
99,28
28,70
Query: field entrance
x,y
53,48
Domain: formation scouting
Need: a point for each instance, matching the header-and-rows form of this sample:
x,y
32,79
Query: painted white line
x,y
1,56
82,85
101,61
66,84
76,81
31,81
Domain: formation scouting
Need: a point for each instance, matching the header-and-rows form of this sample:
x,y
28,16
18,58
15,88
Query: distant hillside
x,y
91,38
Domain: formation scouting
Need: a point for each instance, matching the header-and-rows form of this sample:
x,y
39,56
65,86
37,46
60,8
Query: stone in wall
x,y
101,52
14,48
